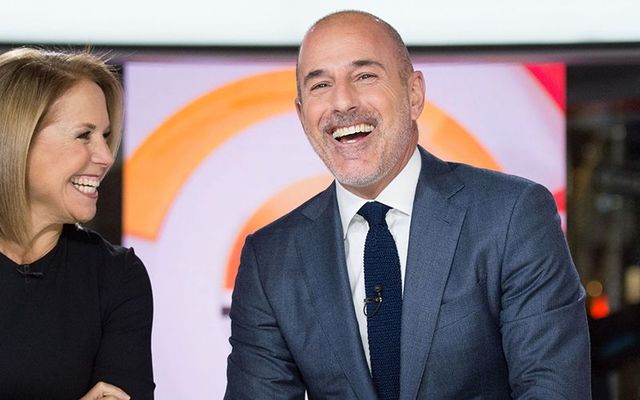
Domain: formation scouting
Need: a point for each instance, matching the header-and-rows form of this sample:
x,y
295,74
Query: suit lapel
x,y
321,248
435,227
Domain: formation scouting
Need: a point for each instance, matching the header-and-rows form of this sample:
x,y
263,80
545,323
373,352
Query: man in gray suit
x,y
491,304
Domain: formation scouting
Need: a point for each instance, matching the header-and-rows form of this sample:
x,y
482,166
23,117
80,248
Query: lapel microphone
x,y
376,298
25,270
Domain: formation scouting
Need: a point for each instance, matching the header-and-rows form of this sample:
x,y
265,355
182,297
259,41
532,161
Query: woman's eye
x,y
84,135
106,135
366,76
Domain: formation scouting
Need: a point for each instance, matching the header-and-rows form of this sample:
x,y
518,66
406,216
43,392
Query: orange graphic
x,y
447,139
157,170
278,205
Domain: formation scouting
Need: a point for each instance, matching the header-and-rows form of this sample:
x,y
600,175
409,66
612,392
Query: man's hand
x,y
105,391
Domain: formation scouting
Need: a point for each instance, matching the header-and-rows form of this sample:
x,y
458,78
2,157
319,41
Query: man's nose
x,y
344,97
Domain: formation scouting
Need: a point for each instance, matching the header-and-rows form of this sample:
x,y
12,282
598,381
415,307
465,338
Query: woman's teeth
x,y
86,184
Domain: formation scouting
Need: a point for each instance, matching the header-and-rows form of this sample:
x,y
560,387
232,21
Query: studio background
x,y
212,147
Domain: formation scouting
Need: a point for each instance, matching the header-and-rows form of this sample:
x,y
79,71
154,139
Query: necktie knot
x,y
374,212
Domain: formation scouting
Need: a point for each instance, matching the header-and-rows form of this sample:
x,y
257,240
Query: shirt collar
x,y
398,194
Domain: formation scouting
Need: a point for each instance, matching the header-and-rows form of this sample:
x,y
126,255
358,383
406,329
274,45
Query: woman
x,y
75,311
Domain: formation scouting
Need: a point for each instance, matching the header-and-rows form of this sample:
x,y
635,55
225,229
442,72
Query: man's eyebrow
x,y
357,63
313,74
367,63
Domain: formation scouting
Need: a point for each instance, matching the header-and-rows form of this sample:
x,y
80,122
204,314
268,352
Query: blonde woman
x,y
75,311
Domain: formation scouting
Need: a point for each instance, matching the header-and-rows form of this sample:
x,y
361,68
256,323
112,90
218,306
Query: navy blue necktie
x,y
383,287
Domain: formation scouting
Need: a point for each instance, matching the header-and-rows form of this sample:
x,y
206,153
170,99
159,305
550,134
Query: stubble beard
x,y
397,142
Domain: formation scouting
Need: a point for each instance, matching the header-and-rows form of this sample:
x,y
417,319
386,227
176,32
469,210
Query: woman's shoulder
x,y
88,246
122,280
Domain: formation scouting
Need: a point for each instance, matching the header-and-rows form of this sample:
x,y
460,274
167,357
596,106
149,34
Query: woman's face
x,y
69,157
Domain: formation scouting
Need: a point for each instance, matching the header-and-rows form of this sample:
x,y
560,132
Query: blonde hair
x,y
31,81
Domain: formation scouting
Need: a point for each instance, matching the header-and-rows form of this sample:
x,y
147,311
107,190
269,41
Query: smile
x,y
353,132
86,185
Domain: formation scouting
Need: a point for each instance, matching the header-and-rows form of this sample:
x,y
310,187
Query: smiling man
x,y
358,101
409,277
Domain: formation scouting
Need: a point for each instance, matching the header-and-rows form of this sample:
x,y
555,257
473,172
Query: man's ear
x,y
416,94
298,104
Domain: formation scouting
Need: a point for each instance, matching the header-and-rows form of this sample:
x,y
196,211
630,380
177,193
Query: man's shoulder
x,y
468,181
300,217
481,185
487,179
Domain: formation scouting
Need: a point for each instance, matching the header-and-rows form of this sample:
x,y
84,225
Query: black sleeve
x,y
124,357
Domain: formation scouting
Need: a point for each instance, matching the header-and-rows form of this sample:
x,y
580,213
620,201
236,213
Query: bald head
x,y
357,20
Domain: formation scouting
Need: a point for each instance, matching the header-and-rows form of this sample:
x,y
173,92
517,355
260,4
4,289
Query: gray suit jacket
x,y
492,304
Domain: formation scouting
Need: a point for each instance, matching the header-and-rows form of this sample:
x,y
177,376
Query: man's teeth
x,y
350,130
85,184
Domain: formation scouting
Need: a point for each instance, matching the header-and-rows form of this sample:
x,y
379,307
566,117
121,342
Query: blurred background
x,y
544,90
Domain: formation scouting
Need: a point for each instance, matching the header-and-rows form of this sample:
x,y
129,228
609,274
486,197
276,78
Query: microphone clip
x,y
25,270
375,299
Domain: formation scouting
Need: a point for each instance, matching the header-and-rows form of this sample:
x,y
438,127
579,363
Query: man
x,y
478,294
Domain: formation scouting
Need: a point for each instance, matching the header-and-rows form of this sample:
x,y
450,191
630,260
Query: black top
x,y
79,315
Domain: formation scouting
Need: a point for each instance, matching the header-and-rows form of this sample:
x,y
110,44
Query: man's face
x,y
356,109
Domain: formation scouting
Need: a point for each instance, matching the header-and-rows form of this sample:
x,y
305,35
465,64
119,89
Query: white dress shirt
x,y
399,196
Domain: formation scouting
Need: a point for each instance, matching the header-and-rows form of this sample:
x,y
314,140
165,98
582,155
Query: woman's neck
x,y
38,245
